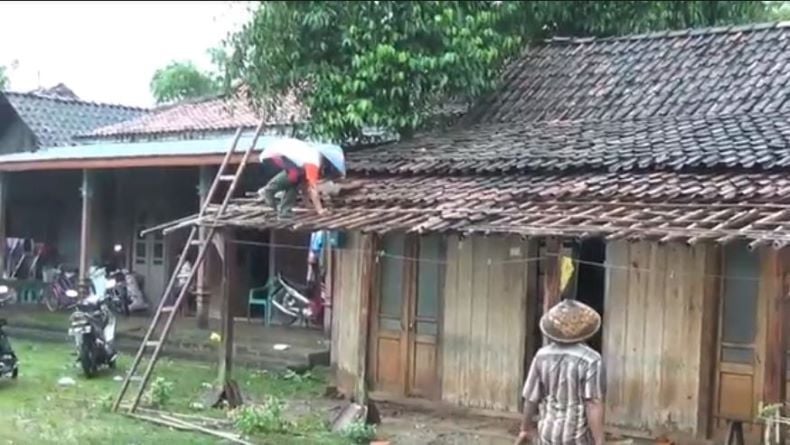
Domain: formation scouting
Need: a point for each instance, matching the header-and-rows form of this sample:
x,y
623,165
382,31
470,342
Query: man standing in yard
x,y
567,378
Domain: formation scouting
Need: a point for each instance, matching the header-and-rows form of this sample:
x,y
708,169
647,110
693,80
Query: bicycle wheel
x,y
50,299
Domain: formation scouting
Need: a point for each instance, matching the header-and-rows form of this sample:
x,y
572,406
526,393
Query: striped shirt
x,y
561,378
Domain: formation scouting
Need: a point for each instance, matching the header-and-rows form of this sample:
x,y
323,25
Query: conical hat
x,y
570,321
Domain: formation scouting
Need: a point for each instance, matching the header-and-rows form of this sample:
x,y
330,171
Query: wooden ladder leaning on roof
x,y
155,345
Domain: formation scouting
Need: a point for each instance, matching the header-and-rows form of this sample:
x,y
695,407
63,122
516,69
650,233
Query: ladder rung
x,y
152,344
227,177
167,309
196,242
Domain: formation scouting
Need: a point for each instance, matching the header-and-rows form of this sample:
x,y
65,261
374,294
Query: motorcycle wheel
x,y
284,318
15,374
87,358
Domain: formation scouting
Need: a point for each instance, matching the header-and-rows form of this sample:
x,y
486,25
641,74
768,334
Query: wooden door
x,y
403,355
388,348
738,375
423,335
150,257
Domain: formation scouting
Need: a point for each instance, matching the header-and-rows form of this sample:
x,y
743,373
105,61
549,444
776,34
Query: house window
x,y
429,284
739,304
392,267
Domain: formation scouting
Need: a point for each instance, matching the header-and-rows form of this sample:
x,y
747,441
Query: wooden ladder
x,y
152,342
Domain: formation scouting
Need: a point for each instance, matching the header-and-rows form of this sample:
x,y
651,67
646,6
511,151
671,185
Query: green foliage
x,y
359,432
389,64
3,78
182,80
778,10
161,392
261,419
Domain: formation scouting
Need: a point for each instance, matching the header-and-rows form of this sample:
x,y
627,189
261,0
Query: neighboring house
x,y
660,162
140,170
47,211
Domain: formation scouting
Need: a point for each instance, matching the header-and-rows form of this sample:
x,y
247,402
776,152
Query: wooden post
x,y
366,281
85,233
226,345
777,331
551,277
3,222
329,282
272,273
201,289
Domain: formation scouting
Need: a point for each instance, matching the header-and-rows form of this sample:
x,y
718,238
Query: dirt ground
x,y
414,426
408,426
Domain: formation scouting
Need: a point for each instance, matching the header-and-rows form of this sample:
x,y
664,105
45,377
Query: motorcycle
x,y
9,364
117,290
294,303
93,324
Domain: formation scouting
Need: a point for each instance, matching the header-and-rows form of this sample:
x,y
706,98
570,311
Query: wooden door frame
x,y
765,294
409,290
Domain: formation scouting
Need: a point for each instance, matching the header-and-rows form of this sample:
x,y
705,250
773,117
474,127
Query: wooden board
x,y
654,339
484,328
348,335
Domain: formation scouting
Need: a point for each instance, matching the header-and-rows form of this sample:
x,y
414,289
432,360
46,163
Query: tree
x,y
389,64
182,80
3,78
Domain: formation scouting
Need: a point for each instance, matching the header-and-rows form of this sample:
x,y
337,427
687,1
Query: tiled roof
x,y
660,206
216,114
748,141
680,73
56,120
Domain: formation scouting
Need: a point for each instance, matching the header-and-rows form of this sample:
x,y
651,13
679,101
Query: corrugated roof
x,y
116,150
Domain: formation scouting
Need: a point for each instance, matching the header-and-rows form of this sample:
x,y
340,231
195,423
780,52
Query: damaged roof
x,y
661,206
679,135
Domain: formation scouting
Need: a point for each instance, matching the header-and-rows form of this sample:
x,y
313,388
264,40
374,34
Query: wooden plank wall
x,y
348,334
659,336
484,329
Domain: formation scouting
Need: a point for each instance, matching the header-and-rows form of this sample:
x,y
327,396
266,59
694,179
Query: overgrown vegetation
x,y
266,418
160,392
391,64
35,406
3,78
359,432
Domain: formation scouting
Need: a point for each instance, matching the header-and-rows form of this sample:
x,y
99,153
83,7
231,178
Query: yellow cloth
x,y
566,271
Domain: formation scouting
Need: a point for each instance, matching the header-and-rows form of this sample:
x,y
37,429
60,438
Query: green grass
x,y
35,410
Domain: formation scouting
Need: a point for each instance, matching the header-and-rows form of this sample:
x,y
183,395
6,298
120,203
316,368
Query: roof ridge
x,y
40,96
673,33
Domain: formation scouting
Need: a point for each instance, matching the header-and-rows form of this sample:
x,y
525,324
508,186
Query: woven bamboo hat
x,y
570,321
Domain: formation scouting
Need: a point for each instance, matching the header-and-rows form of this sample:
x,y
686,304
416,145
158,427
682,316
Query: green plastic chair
x,y
262,296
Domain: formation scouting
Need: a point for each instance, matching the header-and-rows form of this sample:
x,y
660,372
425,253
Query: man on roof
x,y
300,165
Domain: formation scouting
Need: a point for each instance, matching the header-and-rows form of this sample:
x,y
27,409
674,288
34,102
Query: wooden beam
x,y
3,220
120,162
201,290
226,343
85,232
777,331
366,281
